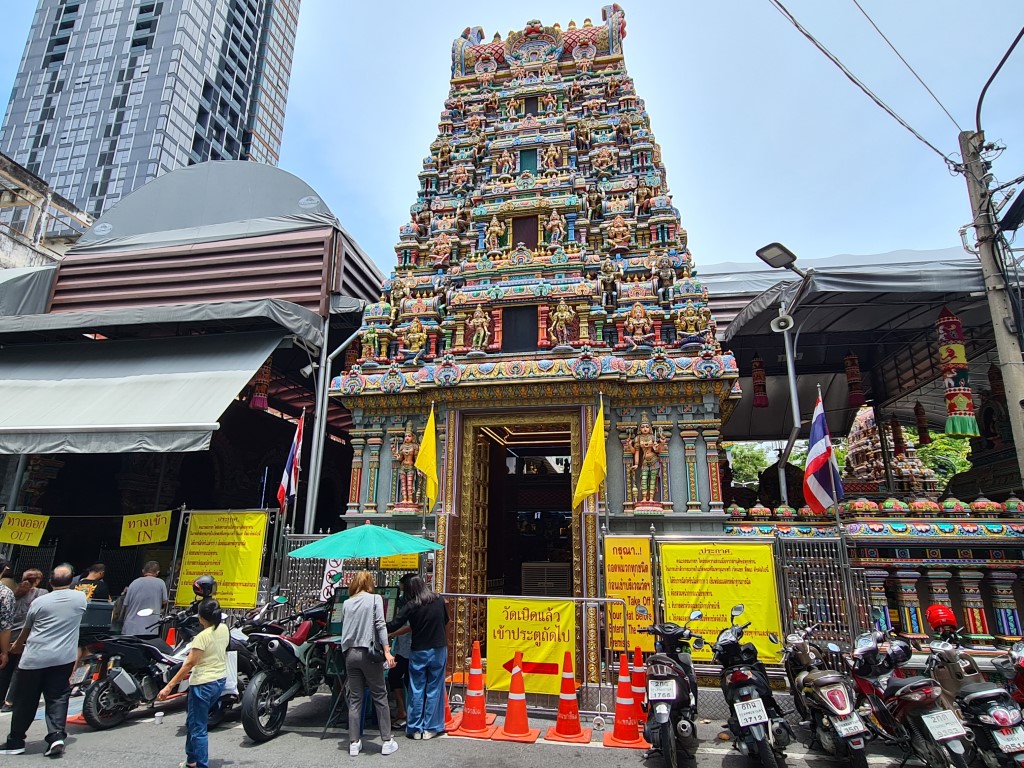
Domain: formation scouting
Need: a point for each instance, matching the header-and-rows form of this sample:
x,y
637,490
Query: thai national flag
x,y
822,486
290,479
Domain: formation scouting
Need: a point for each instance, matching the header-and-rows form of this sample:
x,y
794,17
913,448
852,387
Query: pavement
x,y
142,742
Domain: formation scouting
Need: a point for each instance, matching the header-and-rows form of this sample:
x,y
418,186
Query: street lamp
x,y
778,256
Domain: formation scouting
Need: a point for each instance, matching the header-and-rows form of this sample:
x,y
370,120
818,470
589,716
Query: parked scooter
x,y
672,690
987,709
904,711
757,723
289,665
824,697
1011,667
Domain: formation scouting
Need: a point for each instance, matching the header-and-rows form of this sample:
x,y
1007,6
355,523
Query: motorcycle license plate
x,y
79,674
750,712
849,725
661,690
1010,739
943,725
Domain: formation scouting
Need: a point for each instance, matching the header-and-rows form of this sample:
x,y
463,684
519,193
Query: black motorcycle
x,y
758,725
672,690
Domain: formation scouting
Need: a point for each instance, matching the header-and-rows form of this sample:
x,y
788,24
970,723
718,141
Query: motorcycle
x,y
824,697
758,725
987,709
129,671
904,711
288,665
1011,667
672,690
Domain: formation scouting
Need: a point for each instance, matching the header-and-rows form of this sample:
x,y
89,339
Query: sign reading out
x,y
627,575
542,629
229,547
151,528
22,528
715,576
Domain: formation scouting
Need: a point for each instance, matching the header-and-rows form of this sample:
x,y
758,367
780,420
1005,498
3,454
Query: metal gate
x,y
817,573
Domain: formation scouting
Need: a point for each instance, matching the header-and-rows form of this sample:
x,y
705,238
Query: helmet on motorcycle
x,y
899,652
940,616
204,586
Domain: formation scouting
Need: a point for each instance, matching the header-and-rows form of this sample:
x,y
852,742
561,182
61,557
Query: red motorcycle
x,y
1011,667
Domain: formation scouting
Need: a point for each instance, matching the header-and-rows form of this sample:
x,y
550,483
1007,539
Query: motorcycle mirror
x,y
280,599
641,610
773,638
737,610
833,648
695,615
275,589
145,612
698,643
802,609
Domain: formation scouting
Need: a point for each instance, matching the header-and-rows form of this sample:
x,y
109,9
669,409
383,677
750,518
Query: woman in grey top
x,y
364,627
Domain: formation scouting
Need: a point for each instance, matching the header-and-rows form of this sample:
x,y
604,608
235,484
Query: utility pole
x,y
1004,322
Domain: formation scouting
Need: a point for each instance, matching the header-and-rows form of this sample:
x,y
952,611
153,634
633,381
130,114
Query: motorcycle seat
x,y
823,677
975,691
896,684
160,645
301,634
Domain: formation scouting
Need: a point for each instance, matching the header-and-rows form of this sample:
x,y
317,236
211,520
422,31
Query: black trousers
x,y
52,683
7,675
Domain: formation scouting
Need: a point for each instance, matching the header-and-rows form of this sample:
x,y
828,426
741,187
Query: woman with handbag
x,y
364,641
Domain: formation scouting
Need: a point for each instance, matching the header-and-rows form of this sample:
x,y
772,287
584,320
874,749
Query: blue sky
x,y
762,137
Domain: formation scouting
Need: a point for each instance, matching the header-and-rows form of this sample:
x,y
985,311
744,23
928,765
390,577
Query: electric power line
x,y
907,64
853,78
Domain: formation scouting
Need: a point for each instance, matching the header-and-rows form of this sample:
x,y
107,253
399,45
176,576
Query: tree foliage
x,y
748,460
946,455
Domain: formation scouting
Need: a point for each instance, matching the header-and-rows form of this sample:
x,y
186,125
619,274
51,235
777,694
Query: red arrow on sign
x,y
532,667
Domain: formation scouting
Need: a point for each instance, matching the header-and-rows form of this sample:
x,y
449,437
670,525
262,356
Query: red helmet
x,y
940,616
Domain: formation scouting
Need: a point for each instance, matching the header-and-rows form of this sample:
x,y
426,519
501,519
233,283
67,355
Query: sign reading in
x,y
151,528
542,629
229,547
715,576
24,529
627,575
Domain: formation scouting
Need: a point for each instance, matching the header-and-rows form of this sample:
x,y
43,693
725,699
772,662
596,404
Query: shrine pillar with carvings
x,y
876,580
974,607
909,603
1004,606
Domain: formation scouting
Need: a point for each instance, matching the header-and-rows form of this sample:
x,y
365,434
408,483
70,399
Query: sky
x,y
763,138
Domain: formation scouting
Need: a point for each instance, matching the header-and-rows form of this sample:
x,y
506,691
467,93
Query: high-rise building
x,y
112,93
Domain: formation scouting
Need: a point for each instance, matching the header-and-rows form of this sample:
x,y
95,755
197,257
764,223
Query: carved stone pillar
x,y
599,329
543,342
392,436
459,345
908,603
974,607
374,442
938,585
495,344
690,452
876,596
630,491
1004,605
711,438
584,315
355,480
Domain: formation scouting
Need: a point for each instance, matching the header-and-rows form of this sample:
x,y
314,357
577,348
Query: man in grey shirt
x,y
48,645
147,591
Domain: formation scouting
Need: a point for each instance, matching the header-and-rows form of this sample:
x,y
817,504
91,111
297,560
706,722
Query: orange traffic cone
x,y
517,724
451,722
172,637
625,734
638,675
567,724
78,719
476,722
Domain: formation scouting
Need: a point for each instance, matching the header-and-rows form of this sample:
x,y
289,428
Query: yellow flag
x,y
595,465
426,460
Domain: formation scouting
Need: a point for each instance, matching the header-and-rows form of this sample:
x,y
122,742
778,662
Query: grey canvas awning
x,y
124,396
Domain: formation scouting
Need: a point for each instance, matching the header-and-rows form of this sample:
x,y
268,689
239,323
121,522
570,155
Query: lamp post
x,y
778,256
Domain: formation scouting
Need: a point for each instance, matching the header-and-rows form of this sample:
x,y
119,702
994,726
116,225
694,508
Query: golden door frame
x,y
460,564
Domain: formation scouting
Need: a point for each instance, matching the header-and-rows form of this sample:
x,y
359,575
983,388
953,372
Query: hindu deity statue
x,y
646,448
643,197
414,341
583,136
405,452
603,161
513,107
555,227
559,320
639,328
463,219
549,102
491,103
460,178
608,281
474,122
552,157
623,132
480,325
495,230
506,163
441,250
612,86
370,341
663,274
595,202
618,232
444,155
690,321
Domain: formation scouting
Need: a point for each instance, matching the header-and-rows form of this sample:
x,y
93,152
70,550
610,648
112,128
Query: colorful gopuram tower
x,y
543,265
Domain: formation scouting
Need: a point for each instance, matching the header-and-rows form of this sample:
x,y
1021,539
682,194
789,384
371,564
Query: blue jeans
x,y
425,710
200,699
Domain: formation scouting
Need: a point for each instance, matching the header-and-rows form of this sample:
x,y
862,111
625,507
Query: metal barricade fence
x,y
594,661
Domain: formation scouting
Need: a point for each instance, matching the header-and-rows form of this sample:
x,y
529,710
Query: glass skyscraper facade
x,y
112,93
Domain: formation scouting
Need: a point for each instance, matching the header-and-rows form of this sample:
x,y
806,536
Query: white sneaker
x,y
355,748
56,749
389,747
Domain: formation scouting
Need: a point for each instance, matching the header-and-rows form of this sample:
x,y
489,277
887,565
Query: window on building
x,y
519,329
524,230
528,160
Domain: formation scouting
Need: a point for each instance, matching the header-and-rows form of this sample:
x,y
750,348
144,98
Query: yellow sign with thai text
x,y
628,576
229,547
400,563
22,528
542,629
151,528
715,576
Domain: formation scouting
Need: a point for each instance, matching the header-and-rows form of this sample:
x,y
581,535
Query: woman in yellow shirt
x,y
207,663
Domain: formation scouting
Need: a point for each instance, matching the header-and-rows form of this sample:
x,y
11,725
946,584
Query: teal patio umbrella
x,y
364,541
